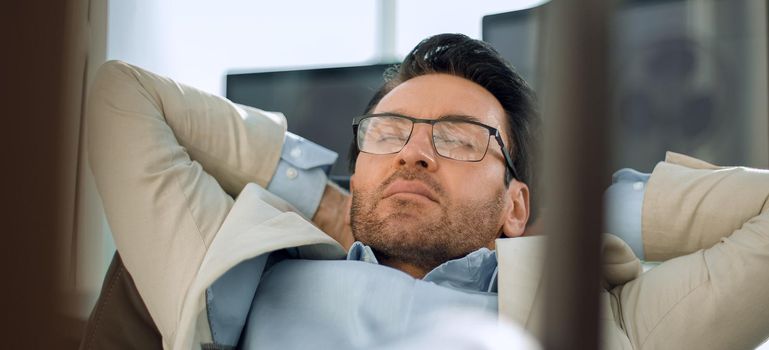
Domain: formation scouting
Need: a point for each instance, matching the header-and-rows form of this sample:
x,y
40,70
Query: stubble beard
x,y
408,235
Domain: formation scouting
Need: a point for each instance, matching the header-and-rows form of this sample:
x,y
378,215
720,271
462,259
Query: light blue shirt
x,y
301,175
280,302
624,207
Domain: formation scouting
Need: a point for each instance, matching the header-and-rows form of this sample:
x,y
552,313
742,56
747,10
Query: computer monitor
x,y
681,77
319,104
516,35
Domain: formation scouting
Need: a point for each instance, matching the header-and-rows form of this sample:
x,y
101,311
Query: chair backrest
x,y
120,320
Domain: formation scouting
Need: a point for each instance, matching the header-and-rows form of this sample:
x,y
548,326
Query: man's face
x,y
417,207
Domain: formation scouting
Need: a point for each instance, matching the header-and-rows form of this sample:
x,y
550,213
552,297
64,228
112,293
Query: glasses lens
x,y
460,140
383,134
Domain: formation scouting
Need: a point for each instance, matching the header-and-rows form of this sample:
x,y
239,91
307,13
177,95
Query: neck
x,y
411,269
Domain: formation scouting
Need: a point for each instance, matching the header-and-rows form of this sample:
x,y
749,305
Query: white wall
x,y
197,42
416,20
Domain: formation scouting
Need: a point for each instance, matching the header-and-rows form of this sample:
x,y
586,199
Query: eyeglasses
x,y
453,137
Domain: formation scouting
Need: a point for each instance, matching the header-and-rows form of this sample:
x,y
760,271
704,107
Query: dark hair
x,y
479,62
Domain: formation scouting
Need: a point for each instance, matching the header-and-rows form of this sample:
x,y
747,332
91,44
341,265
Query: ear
x,y
516,213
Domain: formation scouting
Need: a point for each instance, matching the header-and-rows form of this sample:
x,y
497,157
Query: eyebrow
x,y
459,117
445,117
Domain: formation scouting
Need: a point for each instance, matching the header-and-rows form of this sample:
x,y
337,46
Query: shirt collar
x,y
476,271
362,252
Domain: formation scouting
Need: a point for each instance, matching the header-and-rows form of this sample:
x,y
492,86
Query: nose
x,y
419,151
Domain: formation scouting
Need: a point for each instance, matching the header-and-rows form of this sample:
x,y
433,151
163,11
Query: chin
x,y
405,217
406,224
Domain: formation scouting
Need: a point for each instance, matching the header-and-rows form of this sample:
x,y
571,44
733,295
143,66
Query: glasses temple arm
x,y
506,155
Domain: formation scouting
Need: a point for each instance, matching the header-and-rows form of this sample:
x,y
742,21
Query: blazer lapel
x,y
256,225
521,262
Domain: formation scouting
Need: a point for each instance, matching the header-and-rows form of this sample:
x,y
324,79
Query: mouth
x,y
409,189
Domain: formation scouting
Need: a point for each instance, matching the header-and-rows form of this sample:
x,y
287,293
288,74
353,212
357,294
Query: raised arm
x,y
691,205
165,156
711,227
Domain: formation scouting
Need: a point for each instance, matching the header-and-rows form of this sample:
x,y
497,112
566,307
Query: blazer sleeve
x,y
710,226
167,159
691,205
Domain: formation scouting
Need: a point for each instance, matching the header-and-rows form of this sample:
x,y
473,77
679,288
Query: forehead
x,y
434,95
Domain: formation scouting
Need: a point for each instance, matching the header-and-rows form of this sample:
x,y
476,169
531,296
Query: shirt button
x,y
638,185
291,173
296,152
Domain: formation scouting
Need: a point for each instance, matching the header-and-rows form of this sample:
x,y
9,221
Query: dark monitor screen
x,y
319,104
681,77
516,36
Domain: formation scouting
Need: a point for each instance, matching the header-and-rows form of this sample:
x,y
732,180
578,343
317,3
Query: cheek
x,y
368,172
475,183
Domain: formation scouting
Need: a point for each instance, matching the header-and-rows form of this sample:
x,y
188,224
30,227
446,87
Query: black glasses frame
x,y
492,132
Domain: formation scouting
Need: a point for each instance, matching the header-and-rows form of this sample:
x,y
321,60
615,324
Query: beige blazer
x,y
169,159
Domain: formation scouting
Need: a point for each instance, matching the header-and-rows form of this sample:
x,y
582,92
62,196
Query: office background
x,y
694,82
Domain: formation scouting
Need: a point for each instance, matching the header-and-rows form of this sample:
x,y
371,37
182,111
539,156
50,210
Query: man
x,y
439,191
